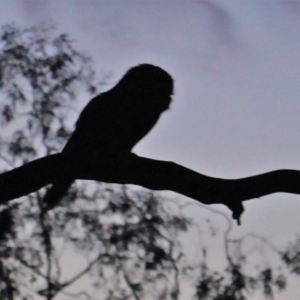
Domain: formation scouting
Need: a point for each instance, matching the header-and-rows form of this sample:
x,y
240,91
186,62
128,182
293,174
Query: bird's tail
x,y
55,194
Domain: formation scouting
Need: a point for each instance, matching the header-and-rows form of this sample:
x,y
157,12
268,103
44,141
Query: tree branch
x,y
149,173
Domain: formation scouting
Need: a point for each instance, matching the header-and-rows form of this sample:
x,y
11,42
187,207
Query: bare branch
x,y
149,173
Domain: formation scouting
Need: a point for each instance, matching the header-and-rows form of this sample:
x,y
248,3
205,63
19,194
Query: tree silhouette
x,y
126,241
41,76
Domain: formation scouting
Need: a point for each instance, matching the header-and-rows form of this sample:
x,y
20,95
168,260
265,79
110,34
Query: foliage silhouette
x,y
130,239
41,76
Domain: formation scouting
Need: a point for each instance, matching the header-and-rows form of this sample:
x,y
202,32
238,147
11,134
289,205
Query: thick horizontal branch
x,y
149,173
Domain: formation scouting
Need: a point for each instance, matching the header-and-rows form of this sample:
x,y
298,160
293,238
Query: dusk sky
x,y
236,65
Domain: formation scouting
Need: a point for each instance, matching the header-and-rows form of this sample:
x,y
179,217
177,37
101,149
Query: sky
x,y
236,67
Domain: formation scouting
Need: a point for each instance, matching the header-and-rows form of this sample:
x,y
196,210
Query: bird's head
x,y
147,81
